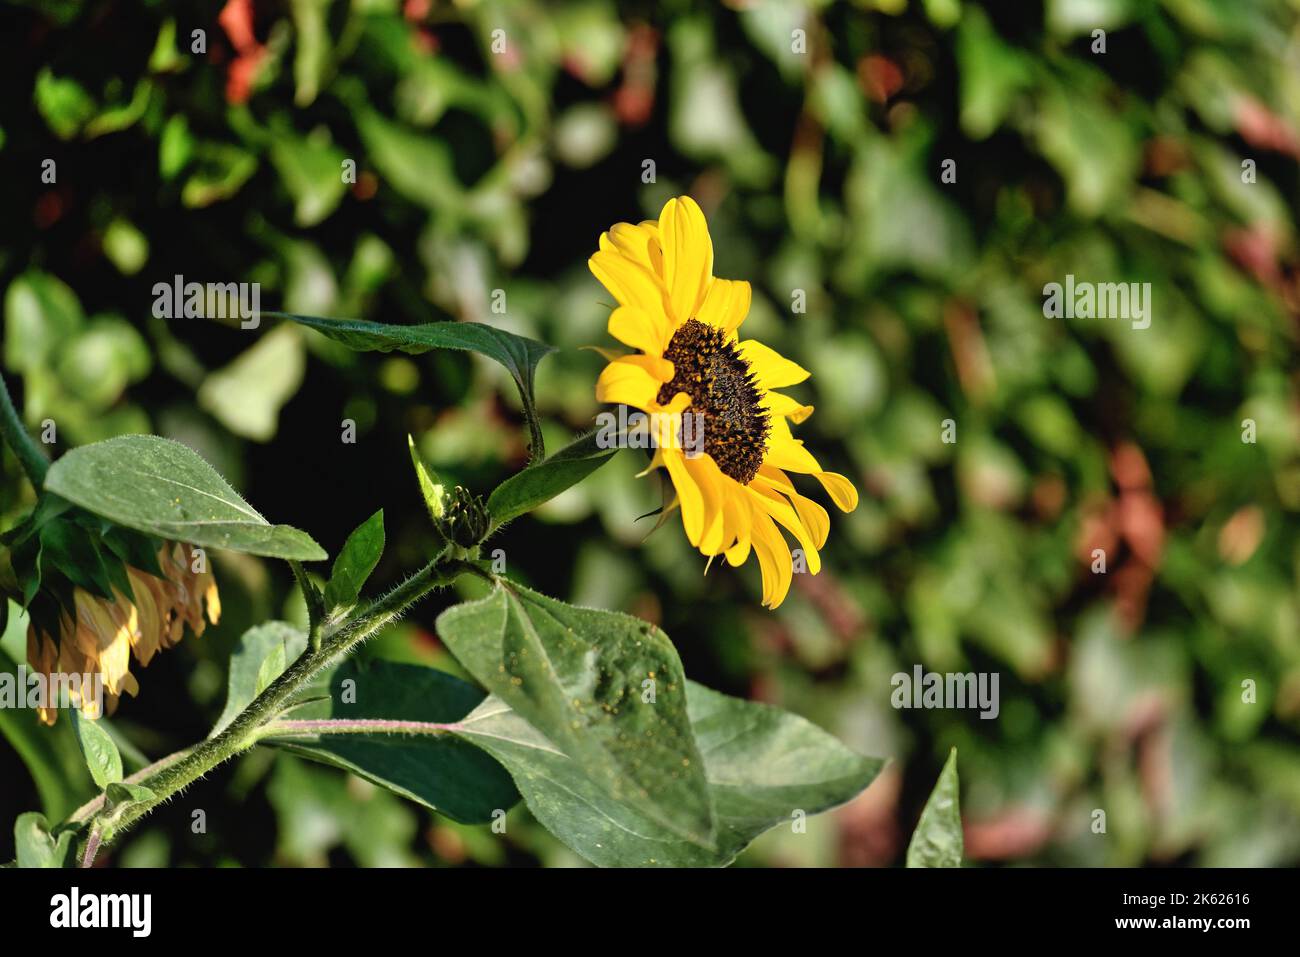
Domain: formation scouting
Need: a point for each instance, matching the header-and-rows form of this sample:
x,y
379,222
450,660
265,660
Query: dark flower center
x,y
722,389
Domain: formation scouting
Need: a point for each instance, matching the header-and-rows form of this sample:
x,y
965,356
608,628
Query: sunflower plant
x,y
585,714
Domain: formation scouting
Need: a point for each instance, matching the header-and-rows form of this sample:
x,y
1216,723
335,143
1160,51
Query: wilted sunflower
x,y
684,322
105,633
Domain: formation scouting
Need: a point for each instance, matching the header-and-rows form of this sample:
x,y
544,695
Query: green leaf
x,y
220,170
417,166
41,315
992,75
937,840
606,688
433,768
433,491
539,483
161,487
312,173
63,102
313,55
263,653
72,550
36,846
355,562
764,766
518,354
246,396
97,747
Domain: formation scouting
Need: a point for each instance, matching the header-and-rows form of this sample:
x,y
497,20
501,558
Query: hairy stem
x,y
173,774
315,603
31,455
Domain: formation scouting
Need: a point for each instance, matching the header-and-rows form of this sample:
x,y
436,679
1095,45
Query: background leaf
x,y
164,488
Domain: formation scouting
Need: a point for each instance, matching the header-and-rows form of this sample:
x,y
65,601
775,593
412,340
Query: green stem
x,y
315,604
31,455
171,776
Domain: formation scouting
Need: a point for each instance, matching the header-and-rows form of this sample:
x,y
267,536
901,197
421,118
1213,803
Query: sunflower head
x,y
733,487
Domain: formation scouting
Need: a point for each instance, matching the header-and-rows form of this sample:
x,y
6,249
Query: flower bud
x,y
464,519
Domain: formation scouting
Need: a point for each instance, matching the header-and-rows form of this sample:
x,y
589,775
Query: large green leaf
x,y
764,766
434,767
263,653
164,488
606,688
937,840
539,483
518,354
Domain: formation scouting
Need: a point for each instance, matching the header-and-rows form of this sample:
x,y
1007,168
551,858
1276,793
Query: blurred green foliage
x,y
815,136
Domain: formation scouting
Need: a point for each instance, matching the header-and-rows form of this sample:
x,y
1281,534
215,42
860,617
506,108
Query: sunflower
x,y
102,635
735,494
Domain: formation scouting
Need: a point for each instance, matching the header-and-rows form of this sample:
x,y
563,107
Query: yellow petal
x,y
146,642
773,559
688,494
627,381
776,478
815,518
212,598
656,462
780,509
726,304
711,481
783,405
840,489
630,284
640,329
688,256
789,454
771,369
639,243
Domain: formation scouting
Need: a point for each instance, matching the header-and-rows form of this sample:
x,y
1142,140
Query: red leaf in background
x,y
236,18
1260,126
1254,249
880,77
634,101
1012,833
